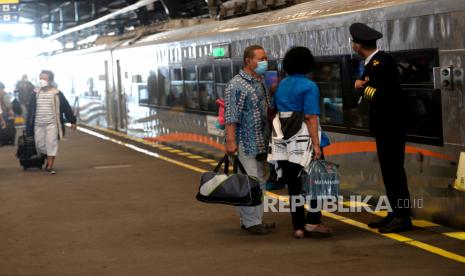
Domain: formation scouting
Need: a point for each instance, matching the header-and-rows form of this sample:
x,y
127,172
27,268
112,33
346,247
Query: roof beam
x,y
102,19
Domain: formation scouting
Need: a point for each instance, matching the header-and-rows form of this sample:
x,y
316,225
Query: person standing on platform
x,y
48,109
6,103
24,90
380,86
297,101
2,121
247,128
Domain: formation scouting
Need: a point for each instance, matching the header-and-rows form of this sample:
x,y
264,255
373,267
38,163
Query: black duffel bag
x,y
237,188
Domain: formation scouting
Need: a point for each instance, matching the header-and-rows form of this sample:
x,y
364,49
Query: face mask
x,y
262,66
43,83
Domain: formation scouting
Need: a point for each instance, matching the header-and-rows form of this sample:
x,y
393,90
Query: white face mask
x,y
43,83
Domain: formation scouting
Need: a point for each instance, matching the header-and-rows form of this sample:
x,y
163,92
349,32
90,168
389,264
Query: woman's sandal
x,y
318,229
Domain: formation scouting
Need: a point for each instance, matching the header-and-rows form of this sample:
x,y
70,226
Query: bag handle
x,y
224,160
237,164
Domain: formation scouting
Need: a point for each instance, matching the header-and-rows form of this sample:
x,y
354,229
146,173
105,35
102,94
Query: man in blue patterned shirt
x,y
247,129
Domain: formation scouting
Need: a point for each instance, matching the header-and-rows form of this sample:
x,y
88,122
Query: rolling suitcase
x,y
27,153
7,135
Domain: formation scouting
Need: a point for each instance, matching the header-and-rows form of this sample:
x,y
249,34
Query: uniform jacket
x,y
385,96
63,112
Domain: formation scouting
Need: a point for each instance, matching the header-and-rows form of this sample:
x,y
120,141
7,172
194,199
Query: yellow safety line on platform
x,y
394,236
417,223
141,150
456,235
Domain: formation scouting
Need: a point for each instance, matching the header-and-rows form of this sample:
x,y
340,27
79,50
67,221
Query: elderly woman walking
x,y
295,139
48,109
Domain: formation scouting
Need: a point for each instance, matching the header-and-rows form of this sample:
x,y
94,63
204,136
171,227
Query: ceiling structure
x,y
54,16
77,24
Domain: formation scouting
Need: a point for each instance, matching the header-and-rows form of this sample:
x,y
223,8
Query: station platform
x,y
118,206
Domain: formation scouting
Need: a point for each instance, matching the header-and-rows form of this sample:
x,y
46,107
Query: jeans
x,y
256,166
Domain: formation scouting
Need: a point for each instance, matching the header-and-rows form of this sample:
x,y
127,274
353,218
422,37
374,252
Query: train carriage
x,y
163,87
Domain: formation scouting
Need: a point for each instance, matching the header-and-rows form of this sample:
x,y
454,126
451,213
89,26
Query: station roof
x,y
54,16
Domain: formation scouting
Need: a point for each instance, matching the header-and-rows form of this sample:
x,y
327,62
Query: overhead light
x,y
69,45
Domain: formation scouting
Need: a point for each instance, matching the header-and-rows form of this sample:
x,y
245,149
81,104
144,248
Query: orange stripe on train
x,y
369,146
337,148
190,137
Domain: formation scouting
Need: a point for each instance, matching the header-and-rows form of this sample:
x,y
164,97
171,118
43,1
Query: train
x,y
163,87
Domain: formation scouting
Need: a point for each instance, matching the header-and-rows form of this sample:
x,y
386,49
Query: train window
x,y
223,73
327,76
136,78
192,95
143,93
271,80
205,73
220,91
415,67
91,91
176,74
424,102
207,97
272,65
175,97
190,74
237,67
424,113
152,89
163,84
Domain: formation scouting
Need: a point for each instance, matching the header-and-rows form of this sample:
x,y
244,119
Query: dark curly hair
x,y
298,60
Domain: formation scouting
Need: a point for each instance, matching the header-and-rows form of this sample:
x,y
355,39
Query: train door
x,y
120,100
449,77
109,102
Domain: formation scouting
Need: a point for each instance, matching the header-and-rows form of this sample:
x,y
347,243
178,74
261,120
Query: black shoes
x,y
382,223
397,225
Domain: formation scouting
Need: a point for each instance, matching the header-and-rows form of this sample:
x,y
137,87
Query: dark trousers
x,y
294,184
391,153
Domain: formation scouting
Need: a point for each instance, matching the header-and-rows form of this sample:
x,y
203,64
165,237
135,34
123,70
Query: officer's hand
x,y
73,126
359,84
231,147
317,152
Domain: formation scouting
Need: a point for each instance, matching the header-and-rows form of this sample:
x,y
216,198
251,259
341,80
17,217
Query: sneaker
x,y
51,171
258,229
267,225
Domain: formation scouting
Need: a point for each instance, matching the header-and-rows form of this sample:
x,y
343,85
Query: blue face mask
x,y
262,66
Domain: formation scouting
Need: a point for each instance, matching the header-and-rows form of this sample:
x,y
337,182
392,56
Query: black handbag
x,y
237,188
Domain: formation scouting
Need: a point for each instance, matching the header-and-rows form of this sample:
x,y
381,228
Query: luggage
x,y
27,153
321,181
233,189
7,135
16,107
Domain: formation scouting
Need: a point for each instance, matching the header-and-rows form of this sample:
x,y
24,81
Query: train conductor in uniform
x,y
380,86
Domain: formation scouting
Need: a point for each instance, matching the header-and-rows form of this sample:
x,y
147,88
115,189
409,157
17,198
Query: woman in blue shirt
x,y
297,102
